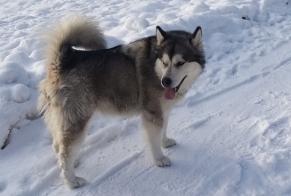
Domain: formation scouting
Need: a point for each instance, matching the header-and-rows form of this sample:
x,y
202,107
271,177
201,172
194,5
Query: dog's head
x,y
180,60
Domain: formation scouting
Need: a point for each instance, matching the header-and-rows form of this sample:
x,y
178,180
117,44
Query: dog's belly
x,y
116,108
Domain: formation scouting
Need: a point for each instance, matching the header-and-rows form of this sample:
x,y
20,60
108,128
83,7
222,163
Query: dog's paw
x,y
76,182
168,142
163,162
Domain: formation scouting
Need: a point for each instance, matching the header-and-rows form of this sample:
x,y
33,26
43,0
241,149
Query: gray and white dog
x,y
145,77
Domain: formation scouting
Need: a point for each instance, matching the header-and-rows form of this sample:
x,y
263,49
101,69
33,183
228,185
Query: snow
x,y
232,129
20,93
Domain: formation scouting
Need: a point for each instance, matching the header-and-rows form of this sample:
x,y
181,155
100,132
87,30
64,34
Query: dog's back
x,y
95,76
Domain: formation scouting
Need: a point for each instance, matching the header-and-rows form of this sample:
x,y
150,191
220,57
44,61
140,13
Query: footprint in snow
x,y
277,127
272,134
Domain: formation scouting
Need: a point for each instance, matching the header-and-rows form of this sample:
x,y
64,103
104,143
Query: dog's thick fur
x,y
144,77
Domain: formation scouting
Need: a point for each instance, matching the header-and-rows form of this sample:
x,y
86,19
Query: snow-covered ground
x,y
233,129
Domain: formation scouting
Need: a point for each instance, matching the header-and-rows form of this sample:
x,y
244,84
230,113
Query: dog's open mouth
x,y
170,93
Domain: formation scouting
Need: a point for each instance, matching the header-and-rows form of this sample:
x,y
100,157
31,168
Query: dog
x,y
145,77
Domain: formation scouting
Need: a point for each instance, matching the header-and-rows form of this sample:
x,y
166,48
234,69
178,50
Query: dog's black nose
x,y
166,82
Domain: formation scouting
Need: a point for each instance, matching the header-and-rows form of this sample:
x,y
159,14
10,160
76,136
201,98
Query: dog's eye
x,y
179,64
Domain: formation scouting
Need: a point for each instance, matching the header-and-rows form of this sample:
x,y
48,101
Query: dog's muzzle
x,y
179,85
170,93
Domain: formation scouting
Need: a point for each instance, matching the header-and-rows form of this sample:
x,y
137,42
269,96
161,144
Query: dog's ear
x,y
160,35
196,38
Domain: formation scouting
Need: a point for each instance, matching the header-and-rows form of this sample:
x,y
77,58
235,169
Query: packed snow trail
x,y
232,129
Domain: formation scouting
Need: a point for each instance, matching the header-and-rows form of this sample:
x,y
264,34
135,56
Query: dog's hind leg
x,y
67,126
71,139
153,129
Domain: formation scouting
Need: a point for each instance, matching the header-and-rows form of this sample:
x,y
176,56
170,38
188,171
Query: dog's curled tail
x,y
72,31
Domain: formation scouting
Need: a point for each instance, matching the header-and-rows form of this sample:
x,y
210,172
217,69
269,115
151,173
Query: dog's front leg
x,y
166,142
153,126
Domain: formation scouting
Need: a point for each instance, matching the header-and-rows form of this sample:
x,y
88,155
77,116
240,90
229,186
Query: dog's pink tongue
x,y
169,93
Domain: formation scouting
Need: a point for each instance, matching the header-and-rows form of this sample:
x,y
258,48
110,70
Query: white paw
x,y
76,182
163,162
168,142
